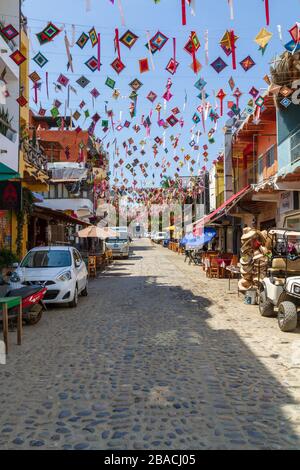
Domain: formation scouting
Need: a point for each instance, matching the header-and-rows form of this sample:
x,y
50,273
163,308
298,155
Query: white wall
x,y
9,14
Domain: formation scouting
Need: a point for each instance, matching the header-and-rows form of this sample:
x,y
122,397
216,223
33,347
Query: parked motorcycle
x,y
32,303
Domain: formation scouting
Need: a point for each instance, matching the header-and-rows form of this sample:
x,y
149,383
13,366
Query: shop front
x,y
48,226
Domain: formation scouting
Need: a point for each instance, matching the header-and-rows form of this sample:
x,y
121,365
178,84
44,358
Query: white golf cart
x,y
281,289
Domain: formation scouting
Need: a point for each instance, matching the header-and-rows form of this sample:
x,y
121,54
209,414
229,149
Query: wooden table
x,y
7,303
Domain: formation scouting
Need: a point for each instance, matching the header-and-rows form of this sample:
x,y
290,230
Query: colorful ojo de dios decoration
x,y
263,38
92,64
63,80
81,42
152,96
82,81
40,59
129,39
135,84
247,63
228,45
219,65
34,77
9,32
144,65
93,37
159,40
18,57
117,65
22,101
48,34
110,83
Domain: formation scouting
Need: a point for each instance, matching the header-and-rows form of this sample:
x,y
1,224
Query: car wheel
x,y
74,302
287,316
85,291
266,308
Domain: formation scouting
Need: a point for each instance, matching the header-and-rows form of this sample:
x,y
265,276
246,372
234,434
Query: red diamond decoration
x,y
172,66
172,120
18,57
22,101
118,65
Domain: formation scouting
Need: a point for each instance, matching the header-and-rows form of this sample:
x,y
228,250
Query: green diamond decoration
x,y
110,82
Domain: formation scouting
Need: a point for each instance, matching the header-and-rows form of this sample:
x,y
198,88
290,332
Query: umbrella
x,y
96,232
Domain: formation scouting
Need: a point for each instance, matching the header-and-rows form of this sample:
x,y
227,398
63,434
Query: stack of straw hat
x,y
254,260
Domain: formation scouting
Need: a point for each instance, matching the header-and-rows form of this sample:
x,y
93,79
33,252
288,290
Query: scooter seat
x,y
23,292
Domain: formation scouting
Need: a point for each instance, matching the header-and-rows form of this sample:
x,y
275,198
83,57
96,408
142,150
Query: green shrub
x,y
7,258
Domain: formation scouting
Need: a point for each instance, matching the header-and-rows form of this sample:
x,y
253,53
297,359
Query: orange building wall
x,y
263,144
60,139
65,138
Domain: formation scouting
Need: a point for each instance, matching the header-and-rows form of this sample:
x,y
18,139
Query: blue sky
x,y
142,16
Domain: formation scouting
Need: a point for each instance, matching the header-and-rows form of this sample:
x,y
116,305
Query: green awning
x,y
7,173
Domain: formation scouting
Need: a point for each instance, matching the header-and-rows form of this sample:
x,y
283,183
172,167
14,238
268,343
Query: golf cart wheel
x,y
266,307
287,316
35,315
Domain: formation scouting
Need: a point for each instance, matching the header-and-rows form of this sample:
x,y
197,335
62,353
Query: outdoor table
x,y
7,303
233,270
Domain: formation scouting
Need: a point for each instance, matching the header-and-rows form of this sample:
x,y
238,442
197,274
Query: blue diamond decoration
x,y
40,60
218,65
285,102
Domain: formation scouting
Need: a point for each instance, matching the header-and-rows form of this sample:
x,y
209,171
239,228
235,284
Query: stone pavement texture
x,y
157,357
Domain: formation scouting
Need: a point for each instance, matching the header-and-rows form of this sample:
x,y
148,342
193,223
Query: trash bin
x,y
251,297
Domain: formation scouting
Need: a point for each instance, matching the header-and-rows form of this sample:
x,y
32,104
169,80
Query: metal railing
x,y
34,156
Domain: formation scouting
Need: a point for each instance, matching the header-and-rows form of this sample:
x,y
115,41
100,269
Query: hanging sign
x,y
10,196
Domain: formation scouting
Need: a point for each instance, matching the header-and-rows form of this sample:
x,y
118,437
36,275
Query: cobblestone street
x,y
157,357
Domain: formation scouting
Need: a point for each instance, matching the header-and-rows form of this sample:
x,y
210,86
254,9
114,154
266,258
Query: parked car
x,y
59,268
159,237
120,247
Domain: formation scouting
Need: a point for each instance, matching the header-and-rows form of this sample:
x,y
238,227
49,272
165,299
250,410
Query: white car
x,y
59,268
119,246
160,236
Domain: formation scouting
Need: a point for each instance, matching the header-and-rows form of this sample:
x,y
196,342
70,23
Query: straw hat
x,y
246,259
244,284
258,255
245,269
246,246
248,276
249,235
264,250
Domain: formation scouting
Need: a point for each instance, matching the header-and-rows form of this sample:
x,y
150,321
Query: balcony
x,y
34,156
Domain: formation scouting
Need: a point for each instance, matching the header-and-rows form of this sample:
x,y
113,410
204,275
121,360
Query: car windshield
x,y
47,259
116,240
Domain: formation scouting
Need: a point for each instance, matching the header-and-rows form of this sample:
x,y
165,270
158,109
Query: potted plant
x,y
7,260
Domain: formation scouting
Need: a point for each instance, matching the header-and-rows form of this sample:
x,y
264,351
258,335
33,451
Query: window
x,y
270,156
47,259
77,258
52,192
295,147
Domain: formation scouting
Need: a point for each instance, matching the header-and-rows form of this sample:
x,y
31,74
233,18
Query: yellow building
x,y
32,161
